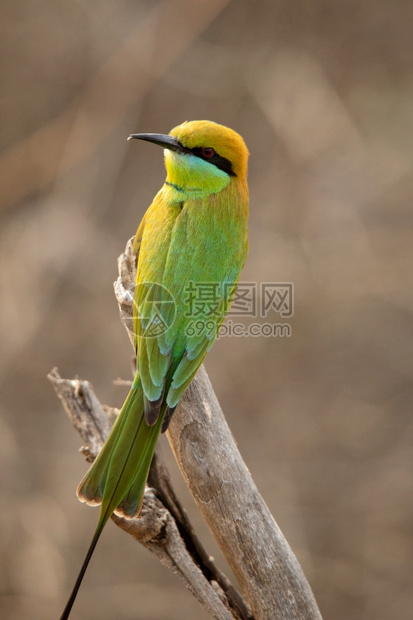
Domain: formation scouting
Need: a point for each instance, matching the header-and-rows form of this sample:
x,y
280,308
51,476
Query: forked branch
x,y
271,579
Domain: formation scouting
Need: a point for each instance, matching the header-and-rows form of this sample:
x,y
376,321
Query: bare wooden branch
x,y
269,574
157,528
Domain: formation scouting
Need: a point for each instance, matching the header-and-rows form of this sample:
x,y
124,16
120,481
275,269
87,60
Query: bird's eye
x,y
207,152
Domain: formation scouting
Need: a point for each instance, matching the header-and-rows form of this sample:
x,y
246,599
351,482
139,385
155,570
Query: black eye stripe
x,y
220,162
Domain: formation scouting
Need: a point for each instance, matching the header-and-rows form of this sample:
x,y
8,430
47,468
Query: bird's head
x,y
201,157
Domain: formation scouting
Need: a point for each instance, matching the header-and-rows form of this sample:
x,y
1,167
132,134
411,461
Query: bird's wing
x,y
179,248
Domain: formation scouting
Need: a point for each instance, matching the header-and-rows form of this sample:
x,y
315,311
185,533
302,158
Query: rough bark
x,y
269,574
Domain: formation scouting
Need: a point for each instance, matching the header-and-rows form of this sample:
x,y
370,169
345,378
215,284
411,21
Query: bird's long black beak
x,y
168,142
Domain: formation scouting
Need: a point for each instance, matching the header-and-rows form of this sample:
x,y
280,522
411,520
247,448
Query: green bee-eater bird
x,y
192,239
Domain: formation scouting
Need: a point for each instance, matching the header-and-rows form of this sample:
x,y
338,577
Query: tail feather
x,y
117,478
91,488
132,501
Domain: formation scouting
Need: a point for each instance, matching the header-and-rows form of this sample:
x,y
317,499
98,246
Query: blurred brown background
x,y
322,91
